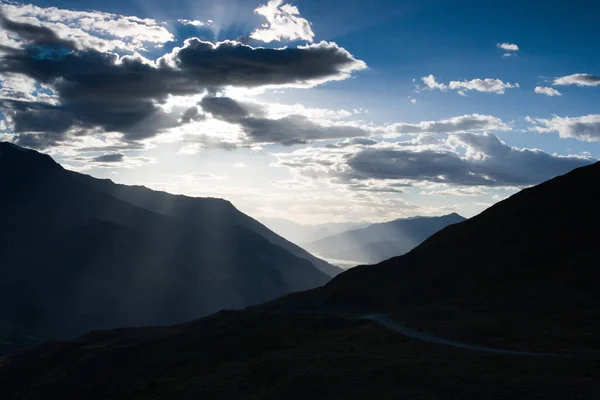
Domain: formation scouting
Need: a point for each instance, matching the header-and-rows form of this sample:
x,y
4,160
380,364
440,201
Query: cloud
x,y
473,122
283,23
548,91
462,160
103,91
352,142
487,85
508,46
289,130
109,160
239,165
194,22
432,83
488,162
585,128
91,29
578,79
483,85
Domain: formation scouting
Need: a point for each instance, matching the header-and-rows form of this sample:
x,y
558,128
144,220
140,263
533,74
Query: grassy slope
x,y
255,355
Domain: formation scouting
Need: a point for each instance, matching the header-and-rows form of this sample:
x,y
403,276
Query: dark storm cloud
x,y
497,164
109,158
289,130
233,64
192,114
123,94
228,109
37,117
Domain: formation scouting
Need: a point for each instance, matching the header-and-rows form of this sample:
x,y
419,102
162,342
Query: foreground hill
x,y
264,356
81,254
378,242
524,270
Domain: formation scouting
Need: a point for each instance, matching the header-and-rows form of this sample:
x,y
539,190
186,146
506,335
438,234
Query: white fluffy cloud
x,y
508,46
548,91
585,128
283,23
90,29
487,85
579,80
510,49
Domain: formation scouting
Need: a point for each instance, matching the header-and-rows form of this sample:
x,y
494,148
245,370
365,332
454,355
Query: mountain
x,y
525,271
80,254
378,242
522,275
300,233
199,211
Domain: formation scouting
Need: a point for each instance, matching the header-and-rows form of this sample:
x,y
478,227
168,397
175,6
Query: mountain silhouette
x,y
378,242
80,253
528,264
520,276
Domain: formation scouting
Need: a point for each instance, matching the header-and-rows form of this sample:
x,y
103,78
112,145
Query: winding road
x,y
395,326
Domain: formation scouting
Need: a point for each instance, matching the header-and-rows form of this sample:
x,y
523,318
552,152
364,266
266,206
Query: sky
x,y
309,111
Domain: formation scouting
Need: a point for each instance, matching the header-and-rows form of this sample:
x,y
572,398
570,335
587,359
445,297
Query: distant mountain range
x,y
79,254
378,242
522,275
300,233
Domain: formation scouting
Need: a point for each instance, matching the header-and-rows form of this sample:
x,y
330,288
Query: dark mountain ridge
x,y
81,254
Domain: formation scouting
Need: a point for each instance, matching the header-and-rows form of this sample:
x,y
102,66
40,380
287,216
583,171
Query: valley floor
x,y
261,355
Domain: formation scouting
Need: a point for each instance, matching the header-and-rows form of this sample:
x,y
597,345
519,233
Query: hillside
x,y
81,254
523,271
378,242
263,356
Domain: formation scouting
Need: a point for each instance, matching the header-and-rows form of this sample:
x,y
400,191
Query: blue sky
x,y
433,107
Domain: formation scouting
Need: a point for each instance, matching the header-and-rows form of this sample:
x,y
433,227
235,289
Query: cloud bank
x,y
585,128
102,91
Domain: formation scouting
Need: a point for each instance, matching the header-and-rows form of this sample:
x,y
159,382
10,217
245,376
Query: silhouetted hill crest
x,y
25,158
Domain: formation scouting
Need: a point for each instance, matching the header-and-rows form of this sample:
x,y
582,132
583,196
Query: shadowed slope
x,y
200,211
75,258
527,267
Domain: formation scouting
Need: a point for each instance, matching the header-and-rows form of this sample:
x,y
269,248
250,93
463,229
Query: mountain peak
x,y
15,155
